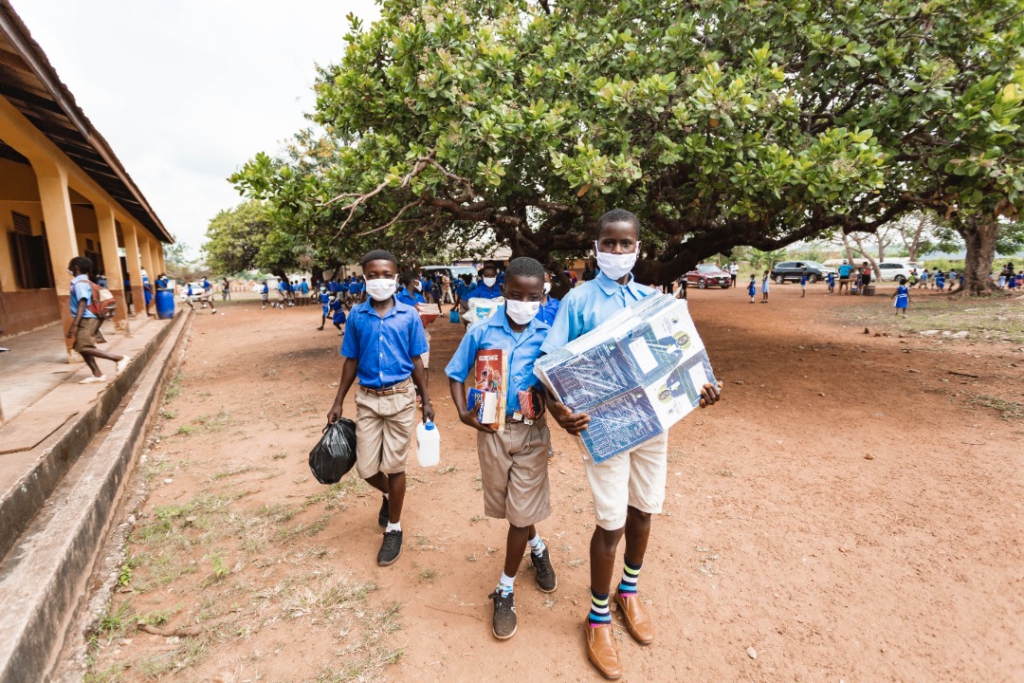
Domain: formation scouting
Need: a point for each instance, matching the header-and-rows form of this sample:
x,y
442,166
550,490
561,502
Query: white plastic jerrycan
x,y
428,444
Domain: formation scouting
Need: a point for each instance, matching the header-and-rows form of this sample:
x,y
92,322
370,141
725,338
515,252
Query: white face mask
x,y
489,281
381,289
417,285
616,266
522,312
547,287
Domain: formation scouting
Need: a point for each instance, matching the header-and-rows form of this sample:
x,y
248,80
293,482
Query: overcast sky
x,y
185,91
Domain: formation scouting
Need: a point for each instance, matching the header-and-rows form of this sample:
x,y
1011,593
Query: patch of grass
x,y
995,319
117,620
1008,410
471,557
185,430
573,564
232,472
167,414
428,574
173,387
725,472
110,674
278,513
279,456
214,423
448,469
478,518
124,577
155,618
334,494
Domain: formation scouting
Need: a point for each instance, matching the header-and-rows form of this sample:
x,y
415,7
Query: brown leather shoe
x,y
602,651
638,621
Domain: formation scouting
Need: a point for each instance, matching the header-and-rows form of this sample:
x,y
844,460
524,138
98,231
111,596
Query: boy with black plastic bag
x,y
383,347
514,462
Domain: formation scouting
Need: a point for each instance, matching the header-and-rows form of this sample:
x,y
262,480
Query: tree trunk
x,y
980,238
867,257
849,249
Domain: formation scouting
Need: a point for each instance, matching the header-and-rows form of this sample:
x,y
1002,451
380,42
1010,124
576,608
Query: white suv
x,y
891,270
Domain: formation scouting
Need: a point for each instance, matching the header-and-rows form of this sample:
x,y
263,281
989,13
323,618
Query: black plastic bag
x,y
335,455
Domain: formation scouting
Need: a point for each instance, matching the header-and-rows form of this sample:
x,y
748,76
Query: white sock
x,y
537,545
393,526
385,496
505,584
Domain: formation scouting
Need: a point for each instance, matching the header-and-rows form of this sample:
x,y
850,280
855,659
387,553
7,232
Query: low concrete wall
x,y
27,310
23,500
44,581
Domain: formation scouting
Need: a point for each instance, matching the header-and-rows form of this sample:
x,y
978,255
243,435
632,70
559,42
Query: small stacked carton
x,y
635,375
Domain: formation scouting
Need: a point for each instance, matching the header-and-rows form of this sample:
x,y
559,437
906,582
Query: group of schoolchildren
x,y
384,349
935,279
289,293
204,293
1010,279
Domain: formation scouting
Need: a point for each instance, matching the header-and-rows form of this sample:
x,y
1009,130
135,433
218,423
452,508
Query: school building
x,y
63,193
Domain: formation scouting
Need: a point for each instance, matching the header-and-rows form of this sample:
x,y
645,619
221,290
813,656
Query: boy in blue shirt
x,y
831,280
803,283
382,349
337,314
264,295
513,463
325,302
627,488
85,324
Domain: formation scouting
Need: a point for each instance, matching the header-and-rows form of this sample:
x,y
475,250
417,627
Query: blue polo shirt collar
x,y
399,307
610,286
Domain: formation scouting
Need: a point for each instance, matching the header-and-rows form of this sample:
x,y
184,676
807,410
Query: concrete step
x,y
44,574
43,442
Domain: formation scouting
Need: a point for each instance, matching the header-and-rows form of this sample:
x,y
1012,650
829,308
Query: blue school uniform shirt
x,y
304,287
548,311
266,289
81,289
522,350
384,346
283,286
752,288
410,299
590,304
482,291
206,285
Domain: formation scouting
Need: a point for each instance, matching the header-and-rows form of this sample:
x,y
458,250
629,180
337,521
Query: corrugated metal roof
x,y
29,82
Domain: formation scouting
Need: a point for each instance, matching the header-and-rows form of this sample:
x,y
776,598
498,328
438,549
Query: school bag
x,y
453,317
103,304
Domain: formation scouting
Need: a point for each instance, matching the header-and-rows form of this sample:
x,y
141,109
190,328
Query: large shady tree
x,y
719,123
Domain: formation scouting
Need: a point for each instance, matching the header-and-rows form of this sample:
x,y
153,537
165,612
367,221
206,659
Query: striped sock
x,y
599,612
630,573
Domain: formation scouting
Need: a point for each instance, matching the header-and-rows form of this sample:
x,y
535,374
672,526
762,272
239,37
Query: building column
x,y
131,254
112,263
146,247
60,234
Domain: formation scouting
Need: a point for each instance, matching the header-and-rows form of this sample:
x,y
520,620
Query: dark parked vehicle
x,y
792,270
707,275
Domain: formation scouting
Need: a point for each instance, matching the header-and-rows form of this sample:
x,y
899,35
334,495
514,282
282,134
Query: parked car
x,y
707,275
893,270
793,270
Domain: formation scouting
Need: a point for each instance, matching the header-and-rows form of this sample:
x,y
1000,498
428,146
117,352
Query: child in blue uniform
x,y
831,280
803,284
514,463
325,301
264,295
940,281
902,297
764,288
337,315
382,350
752,287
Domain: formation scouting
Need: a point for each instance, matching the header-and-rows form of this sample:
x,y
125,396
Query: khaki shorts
x,y
514,473
384,426
633,479
85,338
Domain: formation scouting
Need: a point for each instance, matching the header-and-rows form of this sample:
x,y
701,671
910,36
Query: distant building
x,y
63,193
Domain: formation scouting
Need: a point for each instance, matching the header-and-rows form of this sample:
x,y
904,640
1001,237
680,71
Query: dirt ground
x,y
852,511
